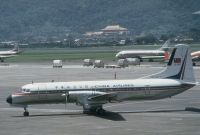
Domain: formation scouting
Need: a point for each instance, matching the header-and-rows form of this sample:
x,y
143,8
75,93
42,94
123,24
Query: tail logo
x,y
177,60
181,73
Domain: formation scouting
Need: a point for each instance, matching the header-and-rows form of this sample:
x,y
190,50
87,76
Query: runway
x,y
166,116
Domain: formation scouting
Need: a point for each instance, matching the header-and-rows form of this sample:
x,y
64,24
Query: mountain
x,y
21,19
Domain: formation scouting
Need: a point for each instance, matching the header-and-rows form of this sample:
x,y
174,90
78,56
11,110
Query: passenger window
x,y
26,90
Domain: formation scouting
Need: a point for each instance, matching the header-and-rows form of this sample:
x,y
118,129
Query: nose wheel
x,y
26,113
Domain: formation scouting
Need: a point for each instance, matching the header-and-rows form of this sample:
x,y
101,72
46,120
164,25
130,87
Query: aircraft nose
x,y
9,99
117,55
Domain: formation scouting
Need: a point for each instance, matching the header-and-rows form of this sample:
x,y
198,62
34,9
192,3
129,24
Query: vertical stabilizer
x,y
179,65
165,46
16,48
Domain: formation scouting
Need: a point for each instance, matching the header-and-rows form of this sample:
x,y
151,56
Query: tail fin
x,y
165,46
179,65
16,48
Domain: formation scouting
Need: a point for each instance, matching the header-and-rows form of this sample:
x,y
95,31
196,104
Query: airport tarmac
x,y
166,116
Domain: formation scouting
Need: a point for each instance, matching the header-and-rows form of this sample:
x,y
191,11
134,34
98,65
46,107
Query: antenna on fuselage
x,y
115,76
66,99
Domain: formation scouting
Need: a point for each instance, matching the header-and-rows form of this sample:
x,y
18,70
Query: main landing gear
x,y
100,111
26,113
96,111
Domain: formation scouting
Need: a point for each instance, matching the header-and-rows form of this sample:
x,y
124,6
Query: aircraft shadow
x,y
192,109
107,115
114,116
72,114
152,111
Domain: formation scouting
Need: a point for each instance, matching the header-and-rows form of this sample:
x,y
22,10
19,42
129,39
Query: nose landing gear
x,y
26,113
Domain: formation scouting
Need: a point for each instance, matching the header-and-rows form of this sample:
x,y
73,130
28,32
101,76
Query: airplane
x,y
161,53
92,95
195,57
9,53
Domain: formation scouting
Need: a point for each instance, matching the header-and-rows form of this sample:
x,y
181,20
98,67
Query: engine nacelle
x,y
80,96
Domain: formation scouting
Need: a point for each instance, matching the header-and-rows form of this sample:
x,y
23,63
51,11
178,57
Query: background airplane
x,y
9,53
176,78
195,57
161,53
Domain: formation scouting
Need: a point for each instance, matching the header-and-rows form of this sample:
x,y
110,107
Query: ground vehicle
x,y
57,64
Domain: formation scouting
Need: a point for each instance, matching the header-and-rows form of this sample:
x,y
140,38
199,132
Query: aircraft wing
x,y
103,97
92,98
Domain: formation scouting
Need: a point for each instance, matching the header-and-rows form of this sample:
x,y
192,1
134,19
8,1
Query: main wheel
x,y
86,111
26,113
100,111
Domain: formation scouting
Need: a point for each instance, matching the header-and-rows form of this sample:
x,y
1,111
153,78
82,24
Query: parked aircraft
x,y
161,53
195,57
92,95
10,53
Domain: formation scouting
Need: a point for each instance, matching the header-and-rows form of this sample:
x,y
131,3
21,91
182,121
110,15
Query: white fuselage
x,y
138,89
195,56
8,52
139,53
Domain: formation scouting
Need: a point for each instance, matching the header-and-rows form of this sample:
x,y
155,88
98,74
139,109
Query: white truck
x,y
98,64
133,61
122,63
57,64
87,62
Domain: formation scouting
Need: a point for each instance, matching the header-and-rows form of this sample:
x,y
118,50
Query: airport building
x,y
115,29
111,34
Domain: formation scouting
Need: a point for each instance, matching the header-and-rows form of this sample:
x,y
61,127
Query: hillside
x,y
21,19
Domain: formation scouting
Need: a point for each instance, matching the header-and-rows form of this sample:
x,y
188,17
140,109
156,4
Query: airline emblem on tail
x,y
177,60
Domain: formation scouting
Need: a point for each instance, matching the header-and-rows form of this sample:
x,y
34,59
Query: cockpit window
x,y
25,90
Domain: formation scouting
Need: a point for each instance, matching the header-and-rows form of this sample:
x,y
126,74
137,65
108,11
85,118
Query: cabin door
x,y
147,90
42,92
